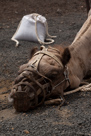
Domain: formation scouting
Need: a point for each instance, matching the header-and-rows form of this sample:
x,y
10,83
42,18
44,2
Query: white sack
x,y
32,28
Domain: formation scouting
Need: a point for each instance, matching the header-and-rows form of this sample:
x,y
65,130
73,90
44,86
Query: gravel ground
x,y
73,119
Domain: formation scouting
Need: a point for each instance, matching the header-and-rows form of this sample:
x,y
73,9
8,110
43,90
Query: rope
x,y
46,26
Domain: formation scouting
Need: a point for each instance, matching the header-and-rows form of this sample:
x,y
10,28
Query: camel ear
x,y
66,56
33,51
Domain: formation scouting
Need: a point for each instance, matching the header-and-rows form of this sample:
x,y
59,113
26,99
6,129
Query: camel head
x,y
42,77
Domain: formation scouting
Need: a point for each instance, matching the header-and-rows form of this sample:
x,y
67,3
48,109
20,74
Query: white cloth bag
x,y
34,28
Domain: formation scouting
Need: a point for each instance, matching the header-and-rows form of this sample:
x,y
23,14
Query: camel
x,y
52,70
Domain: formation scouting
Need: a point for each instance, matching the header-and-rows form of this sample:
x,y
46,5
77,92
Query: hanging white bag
x,y
34,28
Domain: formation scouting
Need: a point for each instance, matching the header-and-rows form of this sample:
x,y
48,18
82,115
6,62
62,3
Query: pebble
x,y
12,128
26,131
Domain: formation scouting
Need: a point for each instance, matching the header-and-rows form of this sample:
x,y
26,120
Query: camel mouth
x,y
26,94
22,101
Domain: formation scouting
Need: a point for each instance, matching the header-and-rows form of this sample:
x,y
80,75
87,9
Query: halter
x,y
66,75
43,52
44,83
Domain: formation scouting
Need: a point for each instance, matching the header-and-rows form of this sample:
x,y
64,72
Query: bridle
x,y
45,84
43,52
66,75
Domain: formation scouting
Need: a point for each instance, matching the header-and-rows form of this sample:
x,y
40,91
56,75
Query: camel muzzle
x,y
30,89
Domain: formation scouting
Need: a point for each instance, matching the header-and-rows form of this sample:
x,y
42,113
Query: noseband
x,y
44,84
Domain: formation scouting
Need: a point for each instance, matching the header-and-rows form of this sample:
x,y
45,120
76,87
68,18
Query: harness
x,y
45,52
35,78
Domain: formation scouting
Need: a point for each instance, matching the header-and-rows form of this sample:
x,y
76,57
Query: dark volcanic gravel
x,y
73,119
